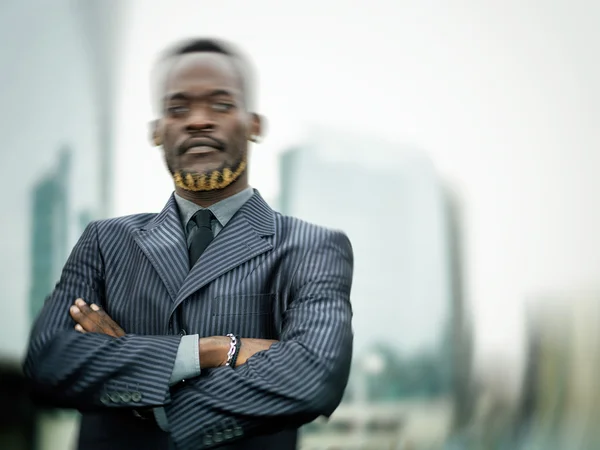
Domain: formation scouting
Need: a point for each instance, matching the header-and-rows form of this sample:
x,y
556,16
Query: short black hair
x,y
204,45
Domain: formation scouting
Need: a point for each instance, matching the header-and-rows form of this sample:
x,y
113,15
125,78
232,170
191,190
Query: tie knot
x,y
202,218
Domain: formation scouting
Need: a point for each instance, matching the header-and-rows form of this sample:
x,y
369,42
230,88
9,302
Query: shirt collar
x,y
223,210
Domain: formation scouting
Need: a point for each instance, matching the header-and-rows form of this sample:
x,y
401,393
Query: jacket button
x,y
228,433
218,437
115,397
136,396
237,431
105,399
125,397
208,440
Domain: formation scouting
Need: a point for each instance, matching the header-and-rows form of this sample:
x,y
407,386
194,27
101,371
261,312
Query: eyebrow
x,y
187,96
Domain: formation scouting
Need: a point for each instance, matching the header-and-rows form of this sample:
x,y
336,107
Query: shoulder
x,y
319,252
122,224
309,235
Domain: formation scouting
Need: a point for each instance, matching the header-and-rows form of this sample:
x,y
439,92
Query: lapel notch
x,y
163,242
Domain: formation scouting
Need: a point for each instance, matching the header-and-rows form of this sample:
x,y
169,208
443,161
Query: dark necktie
x,y
202,236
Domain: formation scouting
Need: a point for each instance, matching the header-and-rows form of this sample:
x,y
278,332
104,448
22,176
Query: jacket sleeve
x,y
91,370
299,378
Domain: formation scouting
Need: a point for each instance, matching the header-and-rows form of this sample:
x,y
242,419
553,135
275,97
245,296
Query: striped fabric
x,y
264,276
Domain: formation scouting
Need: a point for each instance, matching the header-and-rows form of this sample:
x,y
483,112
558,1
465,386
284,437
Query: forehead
x,y
202,71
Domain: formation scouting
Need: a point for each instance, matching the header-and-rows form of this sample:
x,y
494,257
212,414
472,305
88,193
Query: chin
x,y
202,169
208,179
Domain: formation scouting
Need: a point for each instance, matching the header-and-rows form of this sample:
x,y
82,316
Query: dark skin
x,y
204,126
204,100
213,350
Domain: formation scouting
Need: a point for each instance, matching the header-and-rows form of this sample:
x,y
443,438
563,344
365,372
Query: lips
x,y
201,143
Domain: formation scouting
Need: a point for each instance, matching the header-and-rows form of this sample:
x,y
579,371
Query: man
x,y
216,322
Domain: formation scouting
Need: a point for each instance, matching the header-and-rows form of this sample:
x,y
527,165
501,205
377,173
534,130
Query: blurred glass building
x,y
558,405
49,231
57,96
561,402
58,65
408,318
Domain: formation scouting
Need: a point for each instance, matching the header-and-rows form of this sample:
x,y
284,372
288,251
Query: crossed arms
x,y
212,350
297,379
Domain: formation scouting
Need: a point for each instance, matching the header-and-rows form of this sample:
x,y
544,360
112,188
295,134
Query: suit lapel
x,y
241,240
163,242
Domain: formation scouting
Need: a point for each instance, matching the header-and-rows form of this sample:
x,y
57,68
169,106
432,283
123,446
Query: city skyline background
x,y
502,98
401,293
496,104
50,177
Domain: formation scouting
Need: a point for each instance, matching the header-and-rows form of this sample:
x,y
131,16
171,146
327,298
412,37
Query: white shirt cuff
x,y
187,361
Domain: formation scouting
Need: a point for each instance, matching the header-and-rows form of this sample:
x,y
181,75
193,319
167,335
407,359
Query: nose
x,y
200,120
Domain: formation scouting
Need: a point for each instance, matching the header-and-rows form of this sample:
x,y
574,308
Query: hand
x,y
251,347
93,319
214,349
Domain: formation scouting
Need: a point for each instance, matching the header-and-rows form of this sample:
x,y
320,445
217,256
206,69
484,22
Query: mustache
x,y
200,141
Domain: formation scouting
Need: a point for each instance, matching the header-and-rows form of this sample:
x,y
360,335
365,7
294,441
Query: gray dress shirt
x,y
187,362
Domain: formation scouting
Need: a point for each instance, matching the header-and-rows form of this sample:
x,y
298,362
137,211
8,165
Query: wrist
x,y
213,351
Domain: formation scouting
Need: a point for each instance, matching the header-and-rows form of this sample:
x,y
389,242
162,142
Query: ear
x,y
257,127
156,132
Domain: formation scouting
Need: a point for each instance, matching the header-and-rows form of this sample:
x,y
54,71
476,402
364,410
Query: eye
x,y
222,106
177,110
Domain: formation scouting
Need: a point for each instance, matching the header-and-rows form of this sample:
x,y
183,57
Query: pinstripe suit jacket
x,y
264,276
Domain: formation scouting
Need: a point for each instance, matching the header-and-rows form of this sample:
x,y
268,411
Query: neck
x,y
208,198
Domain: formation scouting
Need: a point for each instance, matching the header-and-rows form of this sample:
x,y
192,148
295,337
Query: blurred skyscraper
x,y
391,204
407,299
58,88
459,346
560,399
52,214
101,23
59,66
49,230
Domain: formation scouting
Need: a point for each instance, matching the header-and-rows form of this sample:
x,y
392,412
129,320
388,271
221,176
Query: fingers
x,y
106,321
92,319
80,312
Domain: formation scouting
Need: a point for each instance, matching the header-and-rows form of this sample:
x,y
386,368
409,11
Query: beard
x,y
212,180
